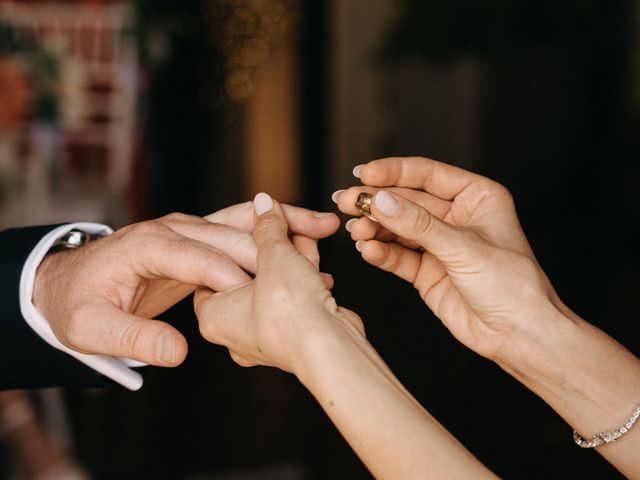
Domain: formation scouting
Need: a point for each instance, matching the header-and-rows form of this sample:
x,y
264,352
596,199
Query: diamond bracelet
x,y
603,438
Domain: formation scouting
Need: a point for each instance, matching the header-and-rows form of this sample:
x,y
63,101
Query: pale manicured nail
x,y
262,203
386,204
323,214
356,170
359,245
166,348
336,195
348,225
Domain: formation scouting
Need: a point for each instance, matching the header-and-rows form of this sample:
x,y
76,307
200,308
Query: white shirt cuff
x,y
117,369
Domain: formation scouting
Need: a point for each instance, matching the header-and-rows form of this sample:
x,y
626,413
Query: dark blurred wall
x,y
537,96
550,117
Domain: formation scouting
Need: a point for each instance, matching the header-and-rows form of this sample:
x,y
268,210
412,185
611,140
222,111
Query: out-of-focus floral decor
x,y
77,138
43,70
15,94
38,91
15,99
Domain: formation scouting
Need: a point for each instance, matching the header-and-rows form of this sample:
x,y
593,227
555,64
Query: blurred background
x,y
120,111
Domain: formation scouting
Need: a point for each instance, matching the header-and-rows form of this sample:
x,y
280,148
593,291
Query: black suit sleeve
x,y
27,361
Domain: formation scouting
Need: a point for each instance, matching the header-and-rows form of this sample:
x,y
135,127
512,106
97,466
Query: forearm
x,y
588,378
388,429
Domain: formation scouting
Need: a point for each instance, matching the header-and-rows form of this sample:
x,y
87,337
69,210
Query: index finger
x,y
440,179
153,250
347,200
300,220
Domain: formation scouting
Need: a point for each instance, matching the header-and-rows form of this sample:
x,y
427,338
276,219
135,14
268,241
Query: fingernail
x,y
356,170
322,214
262,203
336,195
359,245
386,204
166,348
347,225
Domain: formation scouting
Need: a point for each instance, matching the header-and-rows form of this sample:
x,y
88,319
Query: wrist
x,y
589,378
323,350
45,284
41,284
531,352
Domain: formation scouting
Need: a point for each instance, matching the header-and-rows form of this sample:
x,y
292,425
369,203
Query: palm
x,y
153,297
469,293
473,283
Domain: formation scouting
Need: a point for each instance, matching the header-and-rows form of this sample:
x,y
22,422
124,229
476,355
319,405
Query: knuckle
x,y
198,303
266,224
501,193
273,248
149,228
392,263
132,339
208,331
241,359
175,217
201,298
422,222
283,294
504,193
207,324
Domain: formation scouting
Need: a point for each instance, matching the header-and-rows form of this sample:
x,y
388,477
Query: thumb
x,y
223,316
270,231
111,331
413,222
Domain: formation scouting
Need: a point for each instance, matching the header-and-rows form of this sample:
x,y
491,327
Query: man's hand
x,y
101,299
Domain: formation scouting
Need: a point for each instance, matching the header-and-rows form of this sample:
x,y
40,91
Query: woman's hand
x,y
287,318
456,237
273,319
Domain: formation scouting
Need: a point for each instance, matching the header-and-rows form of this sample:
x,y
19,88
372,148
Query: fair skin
x,y
287,318
456,238
102,298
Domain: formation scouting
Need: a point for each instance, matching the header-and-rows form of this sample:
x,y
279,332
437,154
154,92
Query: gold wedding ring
x,y
363,203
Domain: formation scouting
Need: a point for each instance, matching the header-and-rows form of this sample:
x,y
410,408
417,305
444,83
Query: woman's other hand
x,y
288,319
274,318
